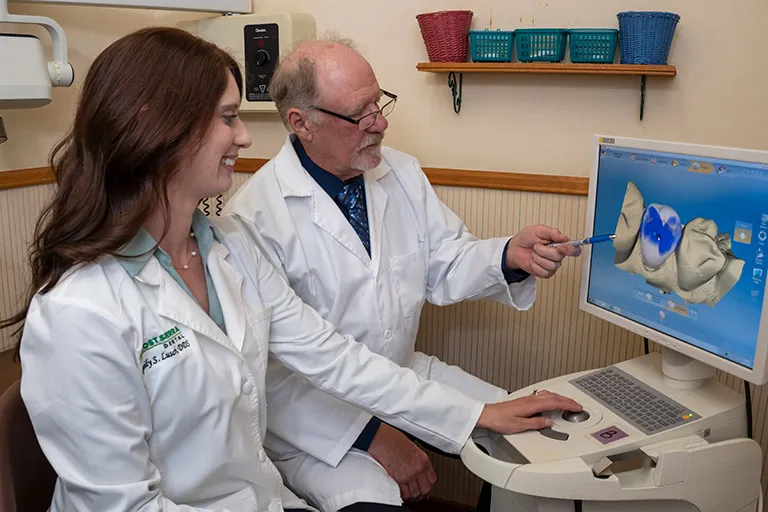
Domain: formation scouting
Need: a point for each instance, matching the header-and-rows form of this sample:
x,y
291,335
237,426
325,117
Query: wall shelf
x,y
544,68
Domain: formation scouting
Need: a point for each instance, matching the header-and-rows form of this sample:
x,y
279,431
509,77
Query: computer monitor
x,y
689,264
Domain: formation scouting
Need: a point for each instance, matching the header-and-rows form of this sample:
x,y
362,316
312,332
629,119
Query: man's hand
x,y
529,250
405,462
514,416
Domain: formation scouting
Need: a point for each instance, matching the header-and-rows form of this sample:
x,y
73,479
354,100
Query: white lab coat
x,y
131,429
419,250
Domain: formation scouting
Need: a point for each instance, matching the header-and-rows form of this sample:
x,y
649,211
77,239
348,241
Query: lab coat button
x,y
262,456
247,387
388,334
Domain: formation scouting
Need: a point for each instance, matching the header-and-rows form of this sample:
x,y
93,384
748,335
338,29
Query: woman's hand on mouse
x,y
516,415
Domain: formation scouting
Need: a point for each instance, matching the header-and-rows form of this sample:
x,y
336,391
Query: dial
x,y
262,58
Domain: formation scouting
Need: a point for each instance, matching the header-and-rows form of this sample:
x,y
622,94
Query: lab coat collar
x,y
295,181
134,255
229,287
175,304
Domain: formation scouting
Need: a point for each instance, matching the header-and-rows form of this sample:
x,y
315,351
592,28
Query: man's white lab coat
x,y
419,250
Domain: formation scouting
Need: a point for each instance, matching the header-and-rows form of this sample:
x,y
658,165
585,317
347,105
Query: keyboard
x,y
640,405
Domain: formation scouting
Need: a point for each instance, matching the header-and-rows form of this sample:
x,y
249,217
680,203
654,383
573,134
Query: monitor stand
x,y
683,372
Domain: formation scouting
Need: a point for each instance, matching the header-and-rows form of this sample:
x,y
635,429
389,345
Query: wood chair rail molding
x,y
542,183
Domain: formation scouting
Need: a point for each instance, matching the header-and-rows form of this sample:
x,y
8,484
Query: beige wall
x,y
508,122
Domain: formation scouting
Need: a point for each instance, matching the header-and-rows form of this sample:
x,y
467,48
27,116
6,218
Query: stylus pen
x,y
587,241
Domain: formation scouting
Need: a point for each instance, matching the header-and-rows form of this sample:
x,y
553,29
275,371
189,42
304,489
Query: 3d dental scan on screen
x,y
680,261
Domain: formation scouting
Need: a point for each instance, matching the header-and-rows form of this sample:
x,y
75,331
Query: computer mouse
x,y
575,417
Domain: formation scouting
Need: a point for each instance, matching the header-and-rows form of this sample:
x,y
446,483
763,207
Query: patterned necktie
x,y
351,198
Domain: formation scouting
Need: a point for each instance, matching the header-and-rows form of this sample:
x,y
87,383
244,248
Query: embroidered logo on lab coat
x,y
161,348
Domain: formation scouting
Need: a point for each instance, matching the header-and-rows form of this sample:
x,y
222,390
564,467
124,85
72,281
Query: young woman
x,y
146,337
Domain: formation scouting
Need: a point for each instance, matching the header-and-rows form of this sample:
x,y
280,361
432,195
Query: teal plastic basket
x,y
593,45
541,44
491,46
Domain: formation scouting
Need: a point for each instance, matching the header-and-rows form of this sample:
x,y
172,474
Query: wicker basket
x,y
445,34
645,37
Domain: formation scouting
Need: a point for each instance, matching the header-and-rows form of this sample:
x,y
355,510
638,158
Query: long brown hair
x,y
146,103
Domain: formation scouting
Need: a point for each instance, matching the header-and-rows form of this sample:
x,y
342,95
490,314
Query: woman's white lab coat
x,y
141,402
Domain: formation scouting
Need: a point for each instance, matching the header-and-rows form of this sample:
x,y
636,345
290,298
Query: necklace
x,y
192,254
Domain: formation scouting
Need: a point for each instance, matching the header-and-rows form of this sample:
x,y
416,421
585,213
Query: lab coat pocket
x,y
409,274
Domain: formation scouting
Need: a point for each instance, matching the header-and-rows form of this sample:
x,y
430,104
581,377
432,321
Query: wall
x,y
508,123
518,123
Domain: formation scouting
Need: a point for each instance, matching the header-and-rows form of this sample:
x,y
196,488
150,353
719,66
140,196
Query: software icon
x,y
743,233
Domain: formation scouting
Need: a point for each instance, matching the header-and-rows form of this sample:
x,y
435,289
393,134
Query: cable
x,y
645,345
219,204
577,505
206,207
748,396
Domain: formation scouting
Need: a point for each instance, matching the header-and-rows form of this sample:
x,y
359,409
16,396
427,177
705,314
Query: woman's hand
x,y
515,416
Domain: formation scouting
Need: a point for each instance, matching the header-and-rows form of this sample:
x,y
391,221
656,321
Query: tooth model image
x,y
692,260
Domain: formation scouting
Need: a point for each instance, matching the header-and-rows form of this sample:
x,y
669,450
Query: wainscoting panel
x,y
19,210
509,348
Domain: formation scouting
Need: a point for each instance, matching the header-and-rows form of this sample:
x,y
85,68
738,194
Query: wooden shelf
x,y
543,68
547,68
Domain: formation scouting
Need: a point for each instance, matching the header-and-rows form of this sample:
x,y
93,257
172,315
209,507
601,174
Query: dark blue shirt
x,y
327,181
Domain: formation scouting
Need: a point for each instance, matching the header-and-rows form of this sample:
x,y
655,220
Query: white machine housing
x,y
706,465
24,78
256,42
702,464
27,76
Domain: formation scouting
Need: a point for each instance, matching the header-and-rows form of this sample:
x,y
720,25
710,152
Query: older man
x,y
362,237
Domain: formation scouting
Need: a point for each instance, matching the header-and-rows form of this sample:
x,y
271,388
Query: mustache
x,y
371,139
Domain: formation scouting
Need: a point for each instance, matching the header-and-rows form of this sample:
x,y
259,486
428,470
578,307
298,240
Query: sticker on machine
x,y
609,434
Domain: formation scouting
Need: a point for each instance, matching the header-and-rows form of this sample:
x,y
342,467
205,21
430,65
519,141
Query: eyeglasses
x,y
367,120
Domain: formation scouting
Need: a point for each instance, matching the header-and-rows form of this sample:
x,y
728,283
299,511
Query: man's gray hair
x,y
294,84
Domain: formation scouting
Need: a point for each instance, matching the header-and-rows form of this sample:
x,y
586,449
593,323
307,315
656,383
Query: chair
x,y
26,478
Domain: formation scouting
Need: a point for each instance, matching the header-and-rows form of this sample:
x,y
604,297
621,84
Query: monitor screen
x,y
689,255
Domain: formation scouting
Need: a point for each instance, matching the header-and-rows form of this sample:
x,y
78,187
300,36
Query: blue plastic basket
x,y
488,46
593,45
541,44
645,37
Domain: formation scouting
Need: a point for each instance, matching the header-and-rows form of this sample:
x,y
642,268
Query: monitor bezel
x,y
759,373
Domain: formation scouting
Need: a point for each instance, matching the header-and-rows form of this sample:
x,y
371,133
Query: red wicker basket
x,y
445,34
